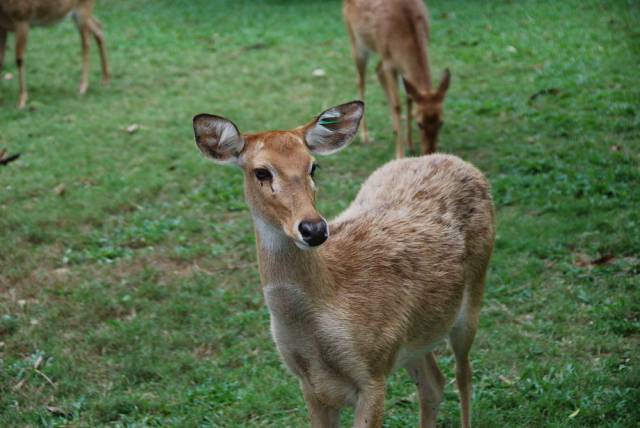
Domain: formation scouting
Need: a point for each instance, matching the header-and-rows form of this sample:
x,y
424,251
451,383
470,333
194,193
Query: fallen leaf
x,y
603,260
584,261
133,128
505,380
319,72
8,159
57,411
8,76
60,189
511,49
574,414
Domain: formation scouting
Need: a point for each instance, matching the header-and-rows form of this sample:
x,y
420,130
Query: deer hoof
x,y
22,102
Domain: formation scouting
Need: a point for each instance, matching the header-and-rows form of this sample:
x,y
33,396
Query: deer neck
x,y
282,262
416,68
419,74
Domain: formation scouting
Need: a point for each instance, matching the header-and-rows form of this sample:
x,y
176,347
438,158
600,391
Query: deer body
x,y
401,269
398,30
19,15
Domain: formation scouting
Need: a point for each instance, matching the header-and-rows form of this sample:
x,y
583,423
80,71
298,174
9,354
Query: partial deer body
x,y
397,30
19,15
378,287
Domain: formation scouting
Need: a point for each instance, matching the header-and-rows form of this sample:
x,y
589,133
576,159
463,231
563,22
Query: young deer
x,y
19,15
398,31
401,269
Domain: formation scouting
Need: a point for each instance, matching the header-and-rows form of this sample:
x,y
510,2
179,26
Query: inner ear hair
x,y
334,128
218,138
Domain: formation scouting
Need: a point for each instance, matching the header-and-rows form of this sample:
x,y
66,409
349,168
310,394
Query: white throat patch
x,y
271,239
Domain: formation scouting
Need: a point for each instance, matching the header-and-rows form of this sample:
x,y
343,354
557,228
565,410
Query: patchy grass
x,y
132,298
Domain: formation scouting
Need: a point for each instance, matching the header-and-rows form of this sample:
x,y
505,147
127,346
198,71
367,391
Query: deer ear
x,y
334,128
412,91
444,84
218,138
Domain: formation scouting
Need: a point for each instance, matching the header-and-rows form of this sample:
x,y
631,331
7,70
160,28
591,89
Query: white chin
x,y
303,246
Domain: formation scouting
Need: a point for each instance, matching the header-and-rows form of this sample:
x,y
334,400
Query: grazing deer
x,y
401,269
19,15
398,31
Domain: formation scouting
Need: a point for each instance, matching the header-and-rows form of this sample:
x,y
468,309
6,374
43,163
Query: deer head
x,y
429,110
279,167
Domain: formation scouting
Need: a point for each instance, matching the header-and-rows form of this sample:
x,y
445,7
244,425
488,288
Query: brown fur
x,y
403,268
19,15
397,30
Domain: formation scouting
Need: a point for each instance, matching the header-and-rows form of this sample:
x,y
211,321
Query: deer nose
x,y
313,232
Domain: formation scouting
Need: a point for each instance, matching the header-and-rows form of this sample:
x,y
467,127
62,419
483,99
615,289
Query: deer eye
x,y
313,169
262,174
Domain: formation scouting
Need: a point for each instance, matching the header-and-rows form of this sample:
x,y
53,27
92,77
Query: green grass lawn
x,y
132,297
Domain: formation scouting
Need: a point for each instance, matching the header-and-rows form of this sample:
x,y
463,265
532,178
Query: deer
x,y
19,15
398,31
376,289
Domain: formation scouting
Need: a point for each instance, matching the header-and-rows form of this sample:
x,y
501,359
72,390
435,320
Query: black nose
x,y
314,232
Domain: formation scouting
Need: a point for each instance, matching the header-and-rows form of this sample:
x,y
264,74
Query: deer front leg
x,y
3,45
360,57
361,64
322,416
81,17
409,123
96,29
84,37
22,32
389,81
370,407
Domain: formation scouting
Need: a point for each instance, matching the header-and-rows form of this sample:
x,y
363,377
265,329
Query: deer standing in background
x,y
398,31
377,288
19,15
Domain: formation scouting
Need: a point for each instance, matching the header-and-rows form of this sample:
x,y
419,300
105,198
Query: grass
x,y
132,299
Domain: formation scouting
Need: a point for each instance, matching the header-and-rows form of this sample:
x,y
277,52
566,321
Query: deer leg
x,y
81,18
96,29
322,416
461,338
22,32
389,80
430,384
409,123
370,406
360,57
3,45
361,65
